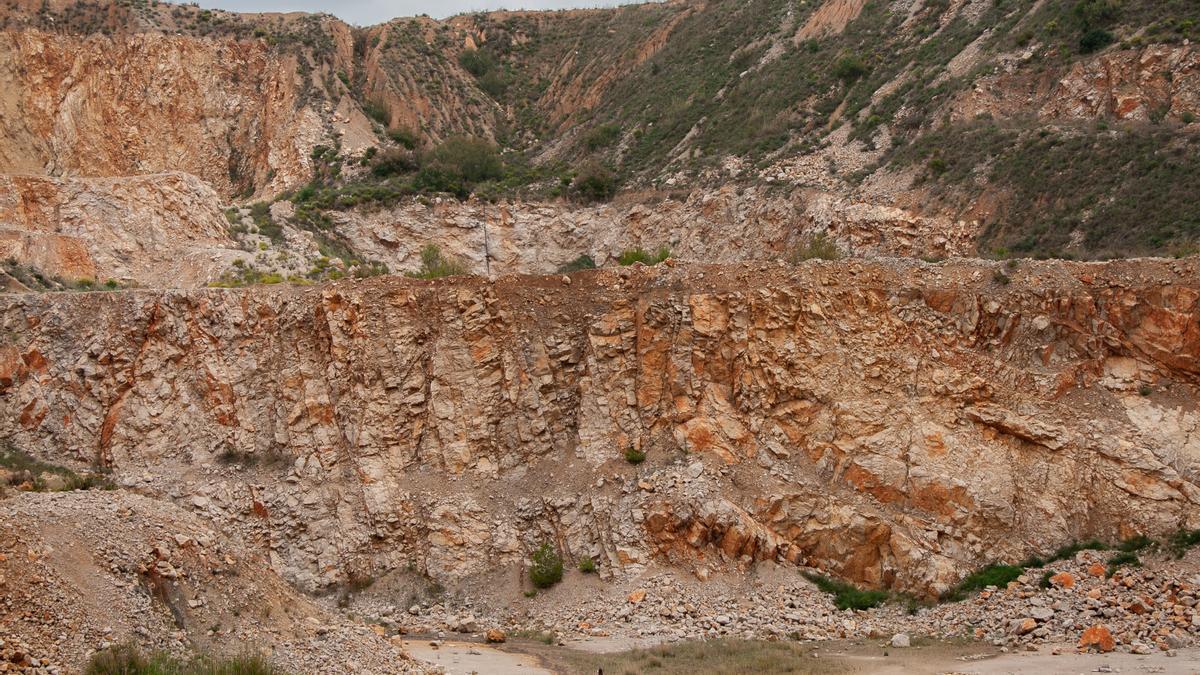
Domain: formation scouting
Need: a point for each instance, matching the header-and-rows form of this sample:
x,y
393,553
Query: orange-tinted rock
x,y
1097,638
1063,580
637,596
1096,570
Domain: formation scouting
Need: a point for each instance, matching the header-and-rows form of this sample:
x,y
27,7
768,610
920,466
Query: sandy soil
x,y
928,658
465,658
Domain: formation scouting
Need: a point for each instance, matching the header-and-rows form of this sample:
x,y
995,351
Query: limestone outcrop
x,y
894,422
726,224
229,111
163,230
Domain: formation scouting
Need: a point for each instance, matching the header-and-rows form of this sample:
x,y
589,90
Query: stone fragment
x,y
1097,638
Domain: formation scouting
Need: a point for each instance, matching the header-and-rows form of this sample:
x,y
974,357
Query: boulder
x,y
1097,638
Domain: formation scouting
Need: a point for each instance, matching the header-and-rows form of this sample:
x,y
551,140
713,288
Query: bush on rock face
x,y
547,567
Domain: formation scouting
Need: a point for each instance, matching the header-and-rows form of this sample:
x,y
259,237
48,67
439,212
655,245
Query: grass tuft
x,y
640,255
848,596
129,660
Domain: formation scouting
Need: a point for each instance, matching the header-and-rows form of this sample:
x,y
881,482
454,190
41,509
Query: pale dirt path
x,y
942,659
465,658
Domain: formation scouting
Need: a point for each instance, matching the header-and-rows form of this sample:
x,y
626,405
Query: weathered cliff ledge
x,y
897,423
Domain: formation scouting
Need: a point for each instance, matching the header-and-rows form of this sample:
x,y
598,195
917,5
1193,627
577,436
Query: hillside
x,y
1043,129
747,331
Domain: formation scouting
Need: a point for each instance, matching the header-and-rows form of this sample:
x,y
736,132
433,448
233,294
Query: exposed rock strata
x,y
728,224
1129,84
898,424
85,569
226,110
161,230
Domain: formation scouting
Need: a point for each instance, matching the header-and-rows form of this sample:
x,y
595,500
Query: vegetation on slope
x,y
578,104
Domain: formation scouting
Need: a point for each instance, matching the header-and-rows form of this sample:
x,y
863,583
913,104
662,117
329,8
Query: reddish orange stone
x,y
1097,637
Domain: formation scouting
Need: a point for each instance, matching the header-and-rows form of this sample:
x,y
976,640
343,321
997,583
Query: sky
x,y
366,12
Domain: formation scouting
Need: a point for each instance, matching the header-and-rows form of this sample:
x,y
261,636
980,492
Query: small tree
x,y
547,566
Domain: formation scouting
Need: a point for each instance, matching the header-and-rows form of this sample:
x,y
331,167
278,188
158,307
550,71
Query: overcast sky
x,y
365,12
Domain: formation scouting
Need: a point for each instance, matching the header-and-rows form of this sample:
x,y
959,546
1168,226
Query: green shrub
x,y
377,111
435,264
1183,540
403,136
640,255
1136,543
847,596
602,136
432,179
1046,576
493,84
1001,278
1122,559
546,568
583,262
1188,117
1095,40
261,213
468,159
476,62
595,184
850,68
1069,551
43,476
992,575
392,162
1094,13
634,456
587,565
817,247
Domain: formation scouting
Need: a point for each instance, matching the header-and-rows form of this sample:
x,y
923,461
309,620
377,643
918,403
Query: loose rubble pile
x,y
83,571
1138,609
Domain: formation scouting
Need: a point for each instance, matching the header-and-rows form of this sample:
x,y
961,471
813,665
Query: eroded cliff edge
x,y
895,422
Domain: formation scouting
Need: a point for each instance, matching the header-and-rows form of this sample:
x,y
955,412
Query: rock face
x,y
721,225
162,230
229,111
1130,84
898,424
116,568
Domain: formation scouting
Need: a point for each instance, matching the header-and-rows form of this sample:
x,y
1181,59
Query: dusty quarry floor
x,y
621,657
